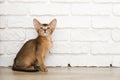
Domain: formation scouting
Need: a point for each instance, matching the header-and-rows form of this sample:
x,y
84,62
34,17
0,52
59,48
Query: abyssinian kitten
x,y
31,56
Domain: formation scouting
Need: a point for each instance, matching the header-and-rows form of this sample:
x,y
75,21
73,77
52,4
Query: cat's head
x,y
44,29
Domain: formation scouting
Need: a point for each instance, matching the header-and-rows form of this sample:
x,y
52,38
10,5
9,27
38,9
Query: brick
x,y
88,9
60,47
74,22
13,9
6,60
100,48
102,22
19,21
116,9
61,35
116,60
30,34
69,1
3,22
10,47
90,60
68,21
80,48
28,0
116,35
90,35
107,1
57,60
105,22
12,34
78,60
54,9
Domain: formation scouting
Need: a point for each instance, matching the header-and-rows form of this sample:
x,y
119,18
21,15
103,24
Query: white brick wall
x,y
12,34
90,35
13,9
52,9
91,9
87,33
27,0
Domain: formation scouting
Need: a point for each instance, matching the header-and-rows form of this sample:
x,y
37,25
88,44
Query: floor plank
x,y
63,74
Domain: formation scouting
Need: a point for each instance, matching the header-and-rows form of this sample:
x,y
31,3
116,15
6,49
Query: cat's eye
x,y
41,28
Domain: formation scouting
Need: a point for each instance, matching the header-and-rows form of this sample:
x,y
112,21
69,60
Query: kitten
x,y
31,56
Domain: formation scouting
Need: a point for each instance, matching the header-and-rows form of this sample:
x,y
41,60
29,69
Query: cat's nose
x,y
45,31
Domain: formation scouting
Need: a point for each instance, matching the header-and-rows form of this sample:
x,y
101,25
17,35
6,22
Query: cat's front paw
x,y
44,69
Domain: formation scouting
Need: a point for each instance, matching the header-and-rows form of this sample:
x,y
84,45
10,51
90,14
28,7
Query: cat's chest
x,y
46,45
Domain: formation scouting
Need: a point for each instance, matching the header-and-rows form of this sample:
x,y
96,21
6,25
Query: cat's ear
x,y
53,23
36,24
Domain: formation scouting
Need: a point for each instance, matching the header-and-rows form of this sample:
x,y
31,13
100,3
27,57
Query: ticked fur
x,y
31,56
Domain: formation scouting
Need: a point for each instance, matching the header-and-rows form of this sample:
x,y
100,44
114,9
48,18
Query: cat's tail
x,y
24,70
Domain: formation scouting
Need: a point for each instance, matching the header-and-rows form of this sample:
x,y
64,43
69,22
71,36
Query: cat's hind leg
x,y
25,68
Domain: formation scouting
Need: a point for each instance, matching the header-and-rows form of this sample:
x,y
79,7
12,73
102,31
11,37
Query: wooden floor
x,y
63,74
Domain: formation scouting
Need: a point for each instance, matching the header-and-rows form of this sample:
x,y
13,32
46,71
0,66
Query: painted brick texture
x,y
87,33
